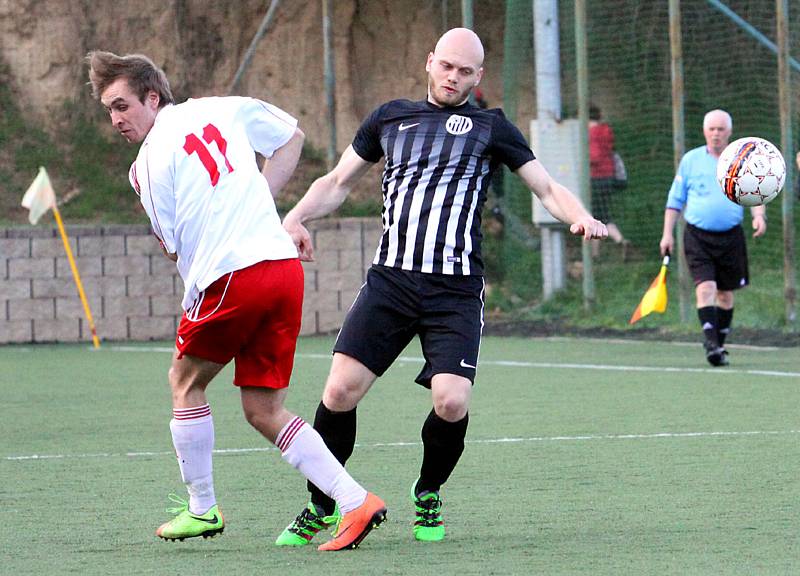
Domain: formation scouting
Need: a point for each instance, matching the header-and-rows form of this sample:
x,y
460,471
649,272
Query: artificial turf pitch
x,y
583,457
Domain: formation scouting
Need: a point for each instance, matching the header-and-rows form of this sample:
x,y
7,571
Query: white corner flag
x,y
39,198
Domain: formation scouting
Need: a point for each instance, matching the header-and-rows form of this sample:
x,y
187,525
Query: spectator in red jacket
x,y
603,174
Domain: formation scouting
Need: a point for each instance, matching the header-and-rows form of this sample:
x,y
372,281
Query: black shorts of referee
x,y
394,305
717,256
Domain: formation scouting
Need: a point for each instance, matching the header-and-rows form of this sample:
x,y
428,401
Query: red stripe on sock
x,y
191,413
289,432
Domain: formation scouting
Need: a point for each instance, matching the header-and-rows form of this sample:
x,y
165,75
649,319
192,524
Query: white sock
x,y
303,447
193,437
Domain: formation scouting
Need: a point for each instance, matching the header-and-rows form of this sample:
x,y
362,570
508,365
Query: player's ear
x,y
478,76
153,99
429,62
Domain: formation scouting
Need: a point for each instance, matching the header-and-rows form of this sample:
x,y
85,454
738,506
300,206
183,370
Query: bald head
x,y
454,67
461,41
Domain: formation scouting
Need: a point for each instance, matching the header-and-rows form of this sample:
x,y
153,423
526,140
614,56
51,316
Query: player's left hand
x,y
589,228
301,238
759,225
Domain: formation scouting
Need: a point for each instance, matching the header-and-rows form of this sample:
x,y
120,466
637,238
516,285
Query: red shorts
x,y
252,316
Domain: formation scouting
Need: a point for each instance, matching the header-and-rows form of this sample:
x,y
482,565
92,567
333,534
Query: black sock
x,y
710,324
443,443
724,319
338,431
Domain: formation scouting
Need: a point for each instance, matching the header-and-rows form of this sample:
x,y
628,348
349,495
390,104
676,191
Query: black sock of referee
x,y
710,324
338,430
443,443
724,319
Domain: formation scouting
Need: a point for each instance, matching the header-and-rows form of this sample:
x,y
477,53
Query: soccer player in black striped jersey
x,y
427,276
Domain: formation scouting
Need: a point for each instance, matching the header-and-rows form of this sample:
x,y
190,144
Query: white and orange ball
x,y
751,171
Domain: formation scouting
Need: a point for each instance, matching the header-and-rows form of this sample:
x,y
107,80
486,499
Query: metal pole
x,y
785,97
548,107
467,14
582,73
330,81
678,142
444,15
251,50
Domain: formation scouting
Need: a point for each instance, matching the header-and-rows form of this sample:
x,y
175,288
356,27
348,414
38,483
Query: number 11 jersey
x,y
197,178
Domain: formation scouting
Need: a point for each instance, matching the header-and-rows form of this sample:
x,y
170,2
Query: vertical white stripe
x,y
455,214
435,211
416,206
480,336
396,212
467,231
393,211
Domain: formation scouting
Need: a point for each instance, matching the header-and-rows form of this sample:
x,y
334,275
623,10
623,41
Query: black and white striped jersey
x,y
438,165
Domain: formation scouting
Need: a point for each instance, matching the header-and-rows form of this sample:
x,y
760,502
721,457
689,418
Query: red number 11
x,y
193,144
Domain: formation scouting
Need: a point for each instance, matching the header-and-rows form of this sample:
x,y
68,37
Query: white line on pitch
x,y
508,440
520,364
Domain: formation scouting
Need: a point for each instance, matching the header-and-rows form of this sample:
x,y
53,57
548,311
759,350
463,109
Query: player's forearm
x,y
323,197
563,204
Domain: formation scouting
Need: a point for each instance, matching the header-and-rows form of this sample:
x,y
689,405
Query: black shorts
x,y
394,305
717,256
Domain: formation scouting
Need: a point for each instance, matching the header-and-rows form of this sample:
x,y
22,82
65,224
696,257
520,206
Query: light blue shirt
x,y
696,192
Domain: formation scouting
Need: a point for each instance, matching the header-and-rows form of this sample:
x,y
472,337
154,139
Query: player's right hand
x,y
302,240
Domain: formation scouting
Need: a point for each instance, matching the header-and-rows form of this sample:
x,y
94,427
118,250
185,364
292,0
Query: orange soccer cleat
x,y
356,524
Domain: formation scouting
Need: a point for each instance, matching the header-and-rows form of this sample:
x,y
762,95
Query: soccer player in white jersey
x,y
214,215
426,280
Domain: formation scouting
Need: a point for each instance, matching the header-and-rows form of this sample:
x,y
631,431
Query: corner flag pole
x,y
76,276
38,199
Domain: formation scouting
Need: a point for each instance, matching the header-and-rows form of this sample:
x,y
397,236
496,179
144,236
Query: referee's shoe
x,y
716,355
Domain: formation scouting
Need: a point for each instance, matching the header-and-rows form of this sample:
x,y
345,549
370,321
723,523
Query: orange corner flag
x,y
655,299
39,198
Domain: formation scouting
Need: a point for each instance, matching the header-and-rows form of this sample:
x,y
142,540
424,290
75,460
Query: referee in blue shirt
x,y
714,239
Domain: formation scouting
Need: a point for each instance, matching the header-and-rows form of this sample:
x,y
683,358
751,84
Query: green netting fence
x,y
725,66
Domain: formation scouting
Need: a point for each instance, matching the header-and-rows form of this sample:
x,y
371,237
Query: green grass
x,y
568,469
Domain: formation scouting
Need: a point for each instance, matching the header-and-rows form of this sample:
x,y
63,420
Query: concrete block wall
x,y
134,292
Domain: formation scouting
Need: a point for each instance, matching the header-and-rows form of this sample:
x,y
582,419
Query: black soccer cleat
x,y
716,355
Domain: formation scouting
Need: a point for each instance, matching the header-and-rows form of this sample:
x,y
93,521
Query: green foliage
x,y
23,148
99,169
86,168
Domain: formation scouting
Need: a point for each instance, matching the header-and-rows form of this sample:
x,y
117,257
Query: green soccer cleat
x,y
303,528
188,525
429,525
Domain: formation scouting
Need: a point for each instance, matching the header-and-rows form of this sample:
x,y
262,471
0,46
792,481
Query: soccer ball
x,y
751,171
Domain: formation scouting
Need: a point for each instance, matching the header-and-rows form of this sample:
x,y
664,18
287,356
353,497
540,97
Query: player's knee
x,y
256,417
341,396
451,408
725,299
186,388
178,384
706,293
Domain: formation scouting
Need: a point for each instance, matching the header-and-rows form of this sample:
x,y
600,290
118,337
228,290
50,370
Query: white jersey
x,y
197,178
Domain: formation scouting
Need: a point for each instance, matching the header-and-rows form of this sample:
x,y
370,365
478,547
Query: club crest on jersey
x,y
458,125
